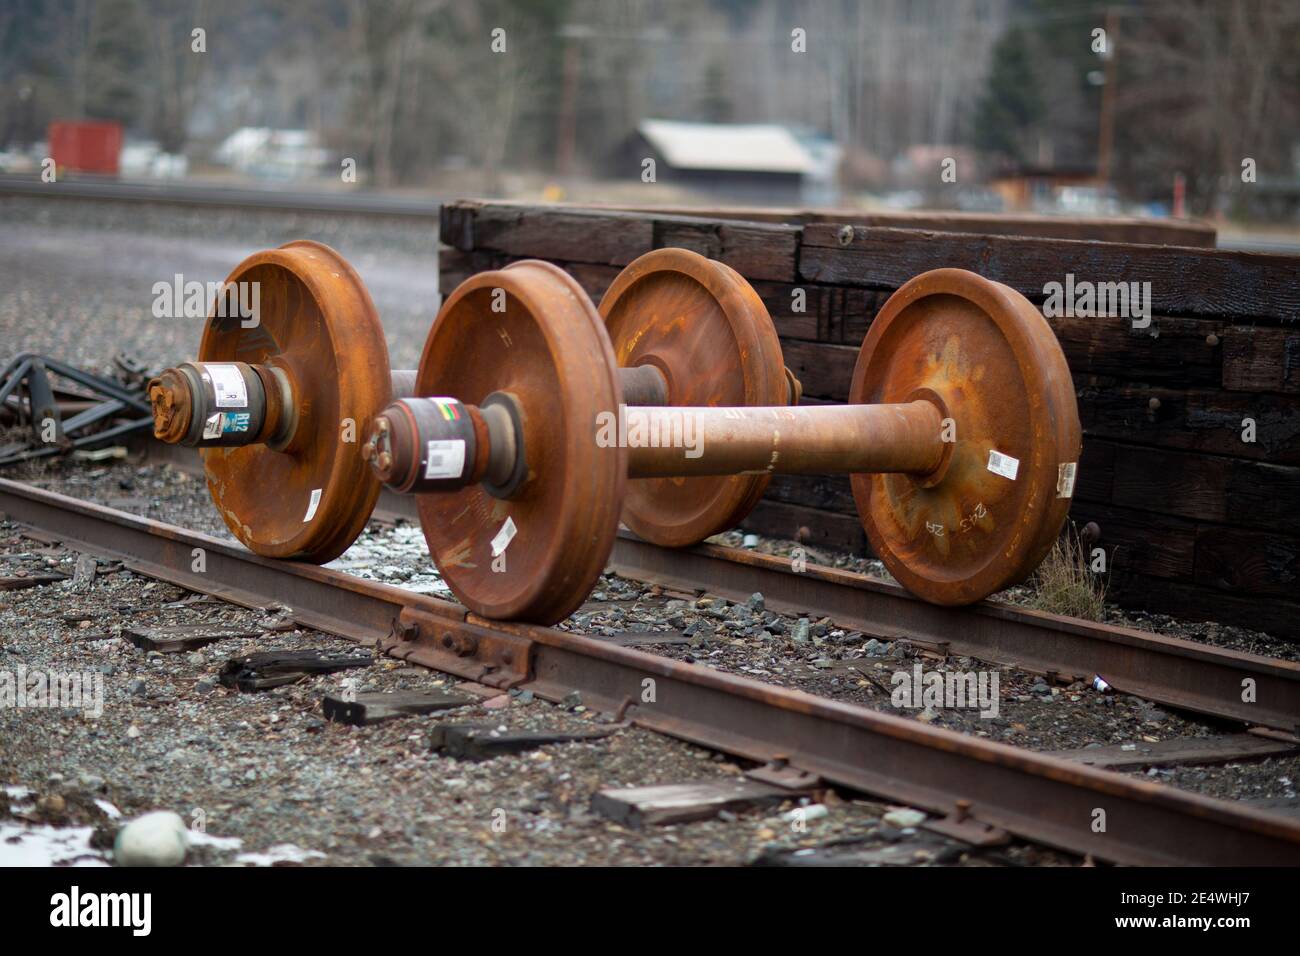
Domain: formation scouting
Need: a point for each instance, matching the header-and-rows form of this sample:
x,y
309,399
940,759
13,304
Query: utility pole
x,y
1106,134
566,118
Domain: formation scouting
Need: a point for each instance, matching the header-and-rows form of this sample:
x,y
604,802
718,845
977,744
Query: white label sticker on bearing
x,y
444,459
228,385
502,540
1065,479
1003,465
312,505
212,426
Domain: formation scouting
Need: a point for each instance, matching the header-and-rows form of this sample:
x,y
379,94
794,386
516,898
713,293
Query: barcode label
x,y
228,385
503,537
1065,479
445,458
212,427
312,505
1003,465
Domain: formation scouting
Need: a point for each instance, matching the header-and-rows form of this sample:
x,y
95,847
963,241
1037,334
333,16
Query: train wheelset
x,y
537,422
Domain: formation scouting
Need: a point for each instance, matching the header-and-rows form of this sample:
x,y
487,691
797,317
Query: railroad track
x,y
977,787
117,190
1166,670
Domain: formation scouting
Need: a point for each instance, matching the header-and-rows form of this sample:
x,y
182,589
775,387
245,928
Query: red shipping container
x,y
86,146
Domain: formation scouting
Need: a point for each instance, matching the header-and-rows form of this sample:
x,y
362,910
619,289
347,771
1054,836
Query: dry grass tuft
x,y
1065,584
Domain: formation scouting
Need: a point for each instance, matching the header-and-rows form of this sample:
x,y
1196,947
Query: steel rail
x,y
1177,673
115,190
1040,798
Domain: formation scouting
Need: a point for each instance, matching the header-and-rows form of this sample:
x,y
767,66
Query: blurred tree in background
x,y
411,88
1011,109
112,79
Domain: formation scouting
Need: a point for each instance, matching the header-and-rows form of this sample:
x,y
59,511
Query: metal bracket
x,y
960,825
779,773
459,647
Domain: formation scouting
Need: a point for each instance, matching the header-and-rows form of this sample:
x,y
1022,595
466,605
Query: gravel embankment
x,y
76,278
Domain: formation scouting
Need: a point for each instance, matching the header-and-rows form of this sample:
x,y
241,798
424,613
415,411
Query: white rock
x,y
904,818
155,839
806,814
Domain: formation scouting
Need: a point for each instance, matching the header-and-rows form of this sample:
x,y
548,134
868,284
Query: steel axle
x,y
455,444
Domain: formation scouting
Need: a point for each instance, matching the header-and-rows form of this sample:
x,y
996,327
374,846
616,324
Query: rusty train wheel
x,y
316,321
705,328
987,517
548,350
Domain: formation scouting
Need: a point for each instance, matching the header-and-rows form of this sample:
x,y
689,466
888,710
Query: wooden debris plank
x,y
1261,359
483,742
1184,281
1201,420
642,638
458,217
1247,562
174,638
37,579
684,802
812,526
267,669
84,574
1207,487
1180,751
365,710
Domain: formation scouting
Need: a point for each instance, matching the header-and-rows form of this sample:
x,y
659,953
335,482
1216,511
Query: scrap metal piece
x,y
94,413
267,669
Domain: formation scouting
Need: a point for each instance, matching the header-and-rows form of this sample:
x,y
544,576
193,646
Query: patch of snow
x,y
45,845
280,853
